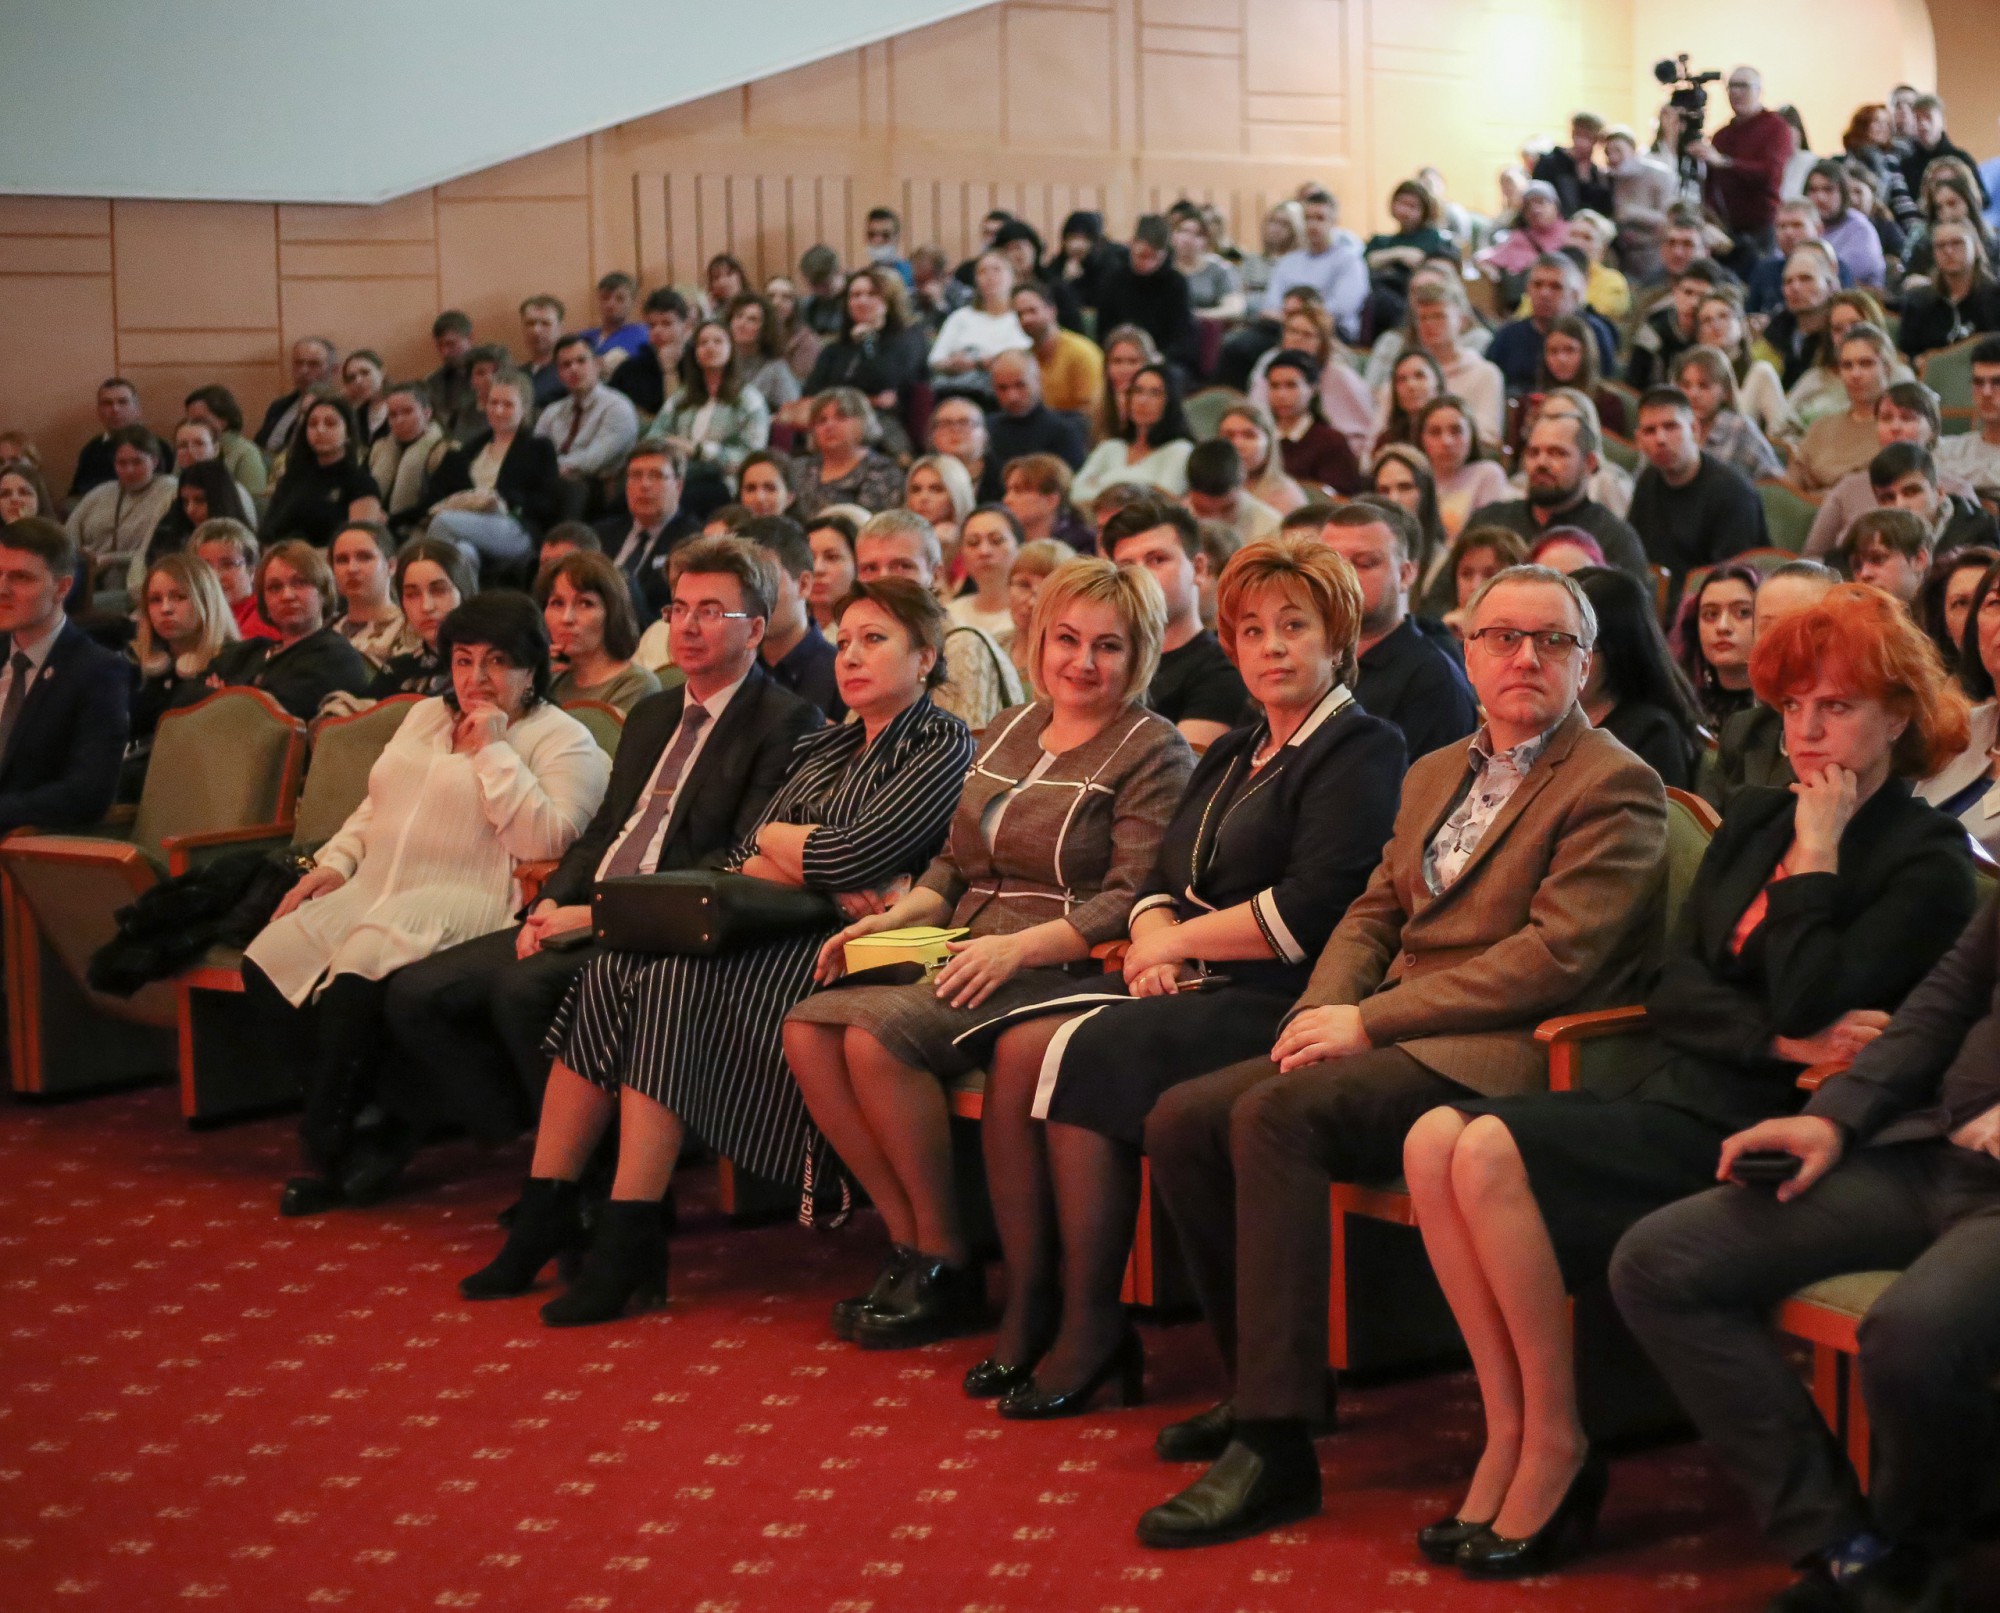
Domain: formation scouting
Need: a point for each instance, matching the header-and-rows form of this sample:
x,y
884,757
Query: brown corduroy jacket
x,y
1559,910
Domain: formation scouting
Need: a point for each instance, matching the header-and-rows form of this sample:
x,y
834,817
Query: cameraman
x,y
1746,166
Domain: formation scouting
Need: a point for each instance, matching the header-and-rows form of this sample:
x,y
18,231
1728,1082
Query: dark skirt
x,y
1119,1059
920,1031
1598,1165
700,1036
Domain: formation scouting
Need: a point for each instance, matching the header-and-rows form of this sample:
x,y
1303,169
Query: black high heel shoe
x,y
1126,1362
1487,1555
995,1380
1442,1541
626,1266
547,1225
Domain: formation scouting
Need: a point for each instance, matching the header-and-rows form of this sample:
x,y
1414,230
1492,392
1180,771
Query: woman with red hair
x,y
1813,912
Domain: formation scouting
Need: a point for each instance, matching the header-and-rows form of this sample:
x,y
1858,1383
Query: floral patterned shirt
x,y
1499,775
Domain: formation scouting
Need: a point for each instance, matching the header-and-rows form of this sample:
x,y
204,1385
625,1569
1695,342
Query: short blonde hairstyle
x,y
1304,572
1041,558
1129,590
950,471
218,622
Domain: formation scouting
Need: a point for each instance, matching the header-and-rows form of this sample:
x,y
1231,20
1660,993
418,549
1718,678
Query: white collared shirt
x,y
608,427
714,705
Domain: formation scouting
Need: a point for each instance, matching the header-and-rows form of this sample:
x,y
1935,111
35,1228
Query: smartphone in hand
x,y
1765,1167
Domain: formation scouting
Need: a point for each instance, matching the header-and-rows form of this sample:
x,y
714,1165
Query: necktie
x,y
17,692
631,852
575,425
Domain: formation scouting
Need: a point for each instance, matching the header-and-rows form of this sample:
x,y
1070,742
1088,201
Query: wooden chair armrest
x,y
1813,1077
182,850
1566,1032
532,876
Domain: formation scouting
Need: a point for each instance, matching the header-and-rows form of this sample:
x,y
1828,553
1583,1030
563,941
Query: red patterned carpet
x,y
201,1404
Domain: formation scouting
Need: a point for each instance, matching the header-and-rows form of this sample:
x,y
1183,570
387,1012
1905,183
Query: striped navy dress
x,y
701,1036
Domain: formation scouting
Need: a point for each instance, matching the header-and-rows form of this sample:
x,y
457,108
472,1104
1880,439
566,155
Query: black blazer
x,y
1859,938
299,678
738,771
529,483
1299,841
61,766
646,571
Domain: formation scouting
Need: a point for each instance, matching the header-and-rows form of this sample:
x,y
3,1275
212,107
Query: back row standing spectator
x,y
1929,142
541,323
1746,165
1572,169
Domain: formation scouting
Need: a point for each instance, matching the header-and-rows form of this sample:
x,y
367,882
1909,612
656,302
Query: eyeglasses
x,y
1505,642
707,615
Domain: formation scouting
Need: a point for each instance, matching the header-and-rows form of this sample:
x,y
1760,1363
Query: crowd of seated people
x,y
1279,766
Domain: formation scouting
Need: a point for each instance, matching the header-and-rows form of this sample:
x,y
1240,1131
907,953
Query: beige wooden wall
x,y
1038,106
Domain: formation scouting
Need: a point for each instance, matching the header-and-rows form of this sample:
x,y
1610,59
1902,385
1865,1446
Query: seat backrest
x,y
1788,515
1622,452
1947,371
1207,407
606,723
344,750
1691,824
227,762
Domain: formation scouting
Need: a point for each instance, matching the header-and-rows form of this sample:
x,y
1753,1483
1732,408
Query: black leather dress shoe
x,y
846,1312
1908,1580
1242,1495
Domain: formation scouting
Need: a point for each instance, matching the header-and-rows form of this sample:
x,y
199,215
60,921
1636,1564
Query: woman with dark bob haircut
x,y
1813,913
478,779
593,632
678,1044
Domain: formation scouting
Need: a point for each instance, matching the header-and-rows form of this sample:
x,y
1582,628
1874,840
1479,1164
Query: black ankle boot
x,y
545,1226
932,1300
626,1265
847,1312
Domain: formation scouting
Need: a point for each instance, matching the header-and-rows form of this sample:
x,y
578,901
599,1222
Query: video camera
x,y
1688,97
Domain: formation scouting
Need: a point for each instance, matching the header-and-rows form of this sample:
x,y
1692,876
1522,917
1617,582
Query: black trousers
x,y
341,1035
1244,1160
470,1022
1697,1282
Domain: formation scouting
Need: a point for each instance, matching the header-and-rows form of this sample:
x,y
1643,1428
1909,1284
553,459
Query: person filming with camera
x,y
1746,165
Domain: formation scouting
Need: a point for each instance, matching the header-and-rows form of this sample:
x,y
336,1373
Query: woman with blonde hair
x,y
1038,560
1280,828
1057,827
1249,429
184,623
1760,394
939,488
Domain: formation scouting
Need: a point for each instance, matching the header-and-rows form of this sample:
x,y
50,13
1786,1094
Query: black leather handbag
x,y
697,913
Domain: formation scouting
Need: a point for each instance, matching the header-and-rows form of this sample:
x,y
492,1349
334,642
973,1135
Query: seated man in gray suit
x,y
1525,877
1898,1167
695,768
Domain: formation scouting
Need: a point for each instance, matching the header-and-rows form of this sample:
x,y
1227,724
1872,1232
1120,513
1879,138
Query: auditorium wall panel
x,y
1039,106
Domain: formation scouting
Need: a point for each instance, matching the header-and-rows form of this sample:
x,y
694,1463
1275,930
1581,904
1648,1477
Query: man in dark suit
x,y
1899,1170
695,768
64,702
1525,877
641,536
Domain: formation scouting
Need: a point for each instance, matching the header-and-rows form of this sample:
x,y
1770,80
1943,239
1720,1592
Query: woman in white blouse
x,y
475,781
972,337
1151,449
